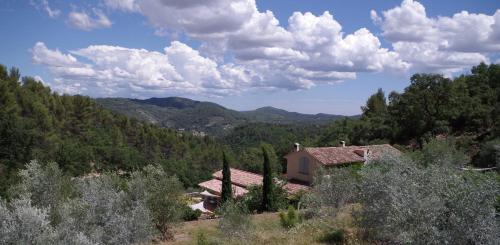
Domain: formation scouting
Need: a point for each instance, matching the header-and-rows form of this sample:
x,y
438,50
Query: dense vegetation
x,y
419,198
47,207
206,117
75,132
466,108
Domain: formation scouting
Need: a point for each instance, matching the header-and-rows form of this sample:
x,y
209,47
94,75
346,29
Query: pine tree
x,y
267,182
226,193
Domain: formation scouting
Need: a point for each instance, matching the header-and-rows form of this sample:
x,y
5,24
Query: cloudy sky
x,y
307,56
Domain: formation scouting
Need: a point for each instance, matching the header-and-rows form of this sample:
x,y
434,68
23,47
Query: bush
x,y
103,213
201,239
22,223
487,156
162,194
50,208
189,214
235,220
332,189
404,202
336,236
290,218
422,199
253,199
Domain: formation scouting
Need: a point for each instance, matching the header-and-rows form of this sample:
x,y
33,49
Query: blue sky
x,y
246,54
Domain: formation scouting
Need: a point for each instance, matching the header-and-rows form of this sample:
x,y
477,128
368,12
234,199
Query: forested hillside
x,y
465,109
206,117
81,136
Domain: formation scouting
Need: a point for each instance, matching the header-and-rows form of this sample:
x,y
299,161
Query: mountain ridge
x,y
207,117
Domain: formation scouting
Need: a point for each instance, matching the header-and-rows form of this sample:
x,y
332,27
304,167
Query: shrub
x,y
487,156
335,236
290,218
332,189
420,199
234,220
201,239
163,196
22,223
404,202
189,214
106,209
253,199
103,213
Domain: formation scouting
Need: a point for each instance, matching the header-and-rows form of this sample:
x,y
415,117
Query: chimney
x,y
343,143
296,146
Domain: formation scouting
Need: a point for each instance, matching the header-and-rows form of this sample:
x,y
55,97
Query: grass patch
x,y
267,229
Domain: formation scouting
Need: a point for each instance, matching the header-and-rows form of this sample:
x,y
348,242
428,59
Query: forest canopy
x,y
83,137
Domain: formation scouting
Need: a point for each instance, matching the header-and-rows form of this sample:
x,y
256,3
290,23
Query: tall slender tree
x,y
226,193
267,184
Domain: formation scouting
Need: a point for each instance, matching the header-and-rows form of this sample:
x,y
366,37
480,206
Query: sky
x,y
314,56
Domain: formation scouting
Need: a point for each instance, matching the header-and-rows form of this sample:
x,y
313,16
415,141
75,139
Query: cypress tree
x,y
226,193
267,182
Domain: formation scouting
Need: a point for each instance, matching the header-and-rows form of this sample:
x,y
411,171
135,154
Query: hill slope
x,y
81,136
208,117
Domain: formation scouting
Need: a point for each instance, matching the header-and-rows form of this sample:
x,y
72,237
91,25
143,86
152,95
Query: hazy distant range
x,y
205,117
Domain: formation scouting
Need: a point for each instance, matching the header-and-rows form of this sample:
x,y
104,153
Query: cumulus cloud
x,y
238,28
52,58
243,48
44,5
119,71
439,44
83,21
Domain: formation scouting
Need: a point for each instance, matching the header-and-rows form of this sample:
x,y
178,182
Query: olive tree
x,y
332,189
234,220
105,214
162,195
22,223
405,202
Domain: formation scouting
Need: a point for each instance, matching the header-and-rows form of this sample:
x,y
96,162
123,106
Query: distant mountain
x,y
205,117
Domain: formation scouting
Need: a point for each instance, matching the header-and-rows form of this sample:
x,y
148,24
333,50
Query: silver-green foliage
x,y
22,223
161,195
234,220
100,210
42,185
104,214
405,200
333,189
407,203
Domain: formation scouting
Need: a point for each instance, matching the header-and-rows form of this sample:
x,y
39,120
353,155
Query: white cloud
x,y
44,5
123,5
119,71
440,44
39,78
83,21
53,58
238,28
204,19
311,50
242,48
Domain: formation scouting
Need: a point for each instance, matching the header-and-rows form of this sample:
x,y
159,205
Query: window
x,y
304,165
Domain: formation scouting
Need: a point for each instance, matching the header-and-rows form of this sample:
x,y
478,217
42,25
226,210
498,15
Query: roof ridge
x,y
245,171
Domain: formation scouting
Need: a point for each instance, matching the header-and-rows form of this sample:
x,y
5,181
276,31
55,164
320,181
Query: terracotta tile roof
x,y
293,188
215,186
241,178
348,154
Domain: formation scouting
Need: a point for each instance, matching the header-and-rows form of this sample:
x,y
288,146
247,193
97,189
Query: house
x,y
301,163
241,181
